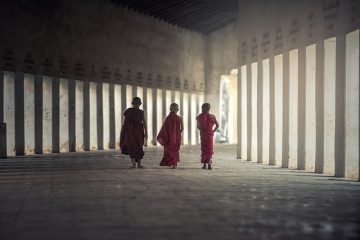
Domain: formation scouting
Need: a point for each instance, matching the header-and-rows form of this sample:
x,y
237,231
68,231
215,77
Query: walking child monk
x,y
133,133
205,123
170,137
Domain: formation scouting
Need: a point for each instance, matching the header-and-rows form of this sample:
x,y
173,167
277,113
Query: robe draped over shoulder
x,y
132,134
170,137
206,122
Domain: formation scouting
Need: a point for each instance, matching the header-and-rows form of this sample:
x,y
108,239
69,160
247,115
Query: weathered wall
x,y
312,49
68,70
96,39
221,58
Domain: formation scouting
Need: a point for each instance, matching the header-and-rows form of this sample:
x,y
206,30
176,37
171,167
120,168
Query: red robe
x,y
132,134
206,122
170,137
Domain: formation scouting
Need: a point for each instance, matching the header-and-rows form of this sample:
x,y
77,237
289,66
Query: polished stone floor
x,y
96,196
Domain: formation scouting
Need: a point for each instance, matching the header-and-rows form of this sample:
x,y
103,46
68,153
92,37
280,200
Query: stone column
x,y
329,105
310,123
254,106
278,95
9,111
106,115
100,115
352,161
29,114
266,111
293,108
72,115
47,118
79,115
64,115
93,116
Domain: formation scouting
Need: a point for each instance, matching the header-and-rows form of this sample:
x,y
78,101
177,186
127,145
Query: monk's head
x,y
174,107
205,107
136,102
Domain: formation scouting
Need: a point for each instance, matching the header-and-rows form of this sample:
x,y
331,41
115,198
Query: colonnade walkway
x,y
94,195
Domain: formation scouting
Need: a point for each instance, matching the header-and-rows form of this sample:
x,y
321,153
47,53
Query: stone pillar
x,y
249,111
329,105
244,113
118,114
192,118
278,94
189,120
186,118
285,107
155,115
106,115
266,111
254,106
239,114
164,106
64,115
197,112
352,161
93,116
293,108
259,109
310,123
79,115
47,117
29,114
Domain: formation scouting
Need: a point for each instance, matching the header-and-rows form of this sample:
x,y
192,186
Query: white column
x,y
168,101
29,114
159,110
185,118
193,120
310,122
278,69
266,111
93,116
293,108
254,95
47,115
79,115
9,111
243,94
106,115
64,114
329,105
352,162
129,96
149,113
118,114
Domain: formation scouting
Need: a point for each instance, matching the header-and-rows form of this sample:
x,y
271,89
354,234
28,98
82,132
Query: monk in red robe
x,y
133,133
170,137
205,122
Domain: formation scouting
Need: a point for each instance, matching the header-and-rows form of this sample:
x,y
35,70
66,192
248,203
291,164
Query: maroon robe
x,y
170,137
206,122
132,134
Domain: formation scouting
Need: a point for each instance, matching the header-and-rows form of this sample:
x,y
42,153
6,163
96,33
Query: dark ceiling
x,y
203,16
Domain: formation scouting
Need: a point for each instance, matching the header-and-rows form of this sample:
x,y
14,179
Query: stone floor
x,y
96,196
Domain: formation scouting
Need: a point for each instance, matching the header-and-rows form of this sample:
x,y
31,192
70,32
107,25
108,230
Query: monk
x,y
205,122
170,137
133,133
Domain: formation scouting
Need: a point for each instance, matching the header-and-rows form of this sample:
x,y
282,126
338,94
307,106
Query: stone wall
x,y
298,106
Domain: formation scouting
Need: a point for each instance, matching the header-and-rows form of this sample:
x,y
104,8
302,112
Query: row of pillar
x,y
300,109
46,114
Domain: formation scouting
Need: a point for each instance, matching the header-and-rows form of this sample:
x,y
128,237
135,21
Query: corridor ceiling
x,y
202,16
